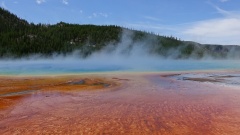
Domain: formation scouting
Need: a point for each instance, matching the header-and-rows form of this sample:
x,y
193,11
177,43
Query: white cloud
x,y
223,12
65,2
40,1
97,15
224,0
103,15
151,18
216,31
224,30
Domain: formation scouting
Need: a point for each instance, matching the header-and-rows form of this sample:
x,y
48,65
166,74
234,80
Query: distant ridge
x,y
18,38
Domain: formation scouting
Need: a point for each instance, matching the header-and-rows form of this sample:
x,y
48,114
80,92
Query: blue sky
x,y
204,21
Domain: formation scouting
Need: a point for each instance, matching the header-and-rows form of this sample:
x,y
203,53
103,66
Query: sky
x,y
203,21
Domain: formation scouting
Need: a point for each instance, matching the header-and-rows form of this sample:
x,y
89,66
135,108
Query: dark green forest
x,y
19,38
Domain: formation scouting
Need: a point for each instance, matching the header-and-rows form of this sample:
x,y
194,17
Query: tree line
x,y
18,38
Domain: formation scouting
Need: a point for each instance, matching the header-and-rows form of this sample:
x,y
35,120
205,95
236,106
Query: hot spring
x,y
68,66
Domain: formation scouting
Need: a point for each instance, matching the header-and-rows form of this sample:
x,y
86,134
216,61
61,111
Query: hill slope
x,y
18,39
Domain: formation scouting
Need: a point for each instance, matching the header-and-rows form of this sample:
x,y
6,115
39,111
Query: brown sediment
x,y
20,84
120,79
203,79
169,75
12,89
147,104
224,76
6,102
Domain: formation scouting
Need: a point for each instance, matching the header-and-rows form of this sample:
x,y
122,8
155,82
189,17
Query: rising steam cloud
x,y
124,56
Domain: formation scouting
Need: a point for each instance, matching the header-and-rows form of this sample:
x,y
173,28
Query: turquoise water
x,y
20,67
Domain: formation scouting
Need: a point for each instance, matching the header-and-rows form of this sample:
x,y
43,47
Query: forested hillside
x,y
18,38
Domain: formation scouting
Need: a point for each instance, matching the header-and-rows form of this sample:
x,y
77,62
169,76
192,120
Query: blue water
x,y
21,67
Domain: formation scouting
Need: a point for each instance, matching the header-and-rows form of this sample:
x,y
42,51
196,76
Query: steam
x,y
127,55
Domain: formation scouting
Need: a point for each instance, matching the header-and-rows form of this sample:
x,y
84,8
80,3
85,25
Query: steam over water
x,y
127,55
105,64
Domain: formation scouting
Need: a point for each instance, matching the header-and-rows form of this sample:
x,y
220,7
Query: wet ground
x,y
143,103
220,78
